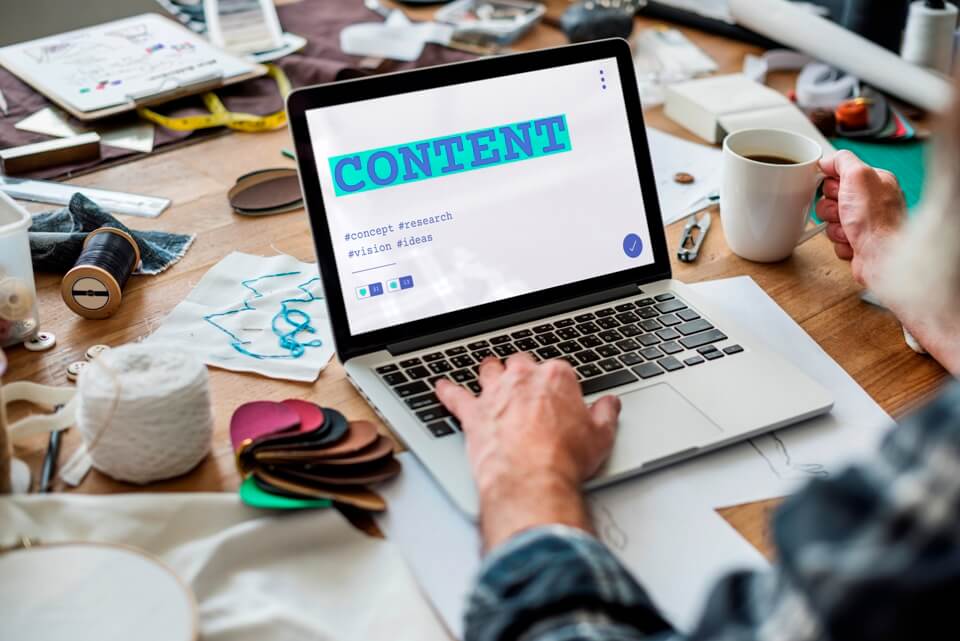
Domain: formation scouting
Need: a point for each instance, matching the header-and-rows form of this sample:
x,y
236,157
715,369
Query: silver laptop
x,y
508,205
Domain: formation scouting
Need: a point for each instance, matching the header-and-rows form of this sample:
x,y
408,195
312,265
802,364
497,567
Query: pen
x,y
50,462
288,154
3,104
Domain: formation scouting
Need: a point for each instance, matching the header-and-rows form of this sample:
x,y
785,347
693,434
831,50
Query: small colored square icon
x,y
363,292
393,285
406,282
375,289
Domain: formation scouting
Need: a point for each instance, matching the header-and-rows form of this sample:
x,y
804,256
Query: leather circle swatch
x,y
265,192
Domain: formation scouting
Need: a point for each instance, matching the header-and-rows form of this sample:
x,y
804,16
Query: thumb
x,y
605,412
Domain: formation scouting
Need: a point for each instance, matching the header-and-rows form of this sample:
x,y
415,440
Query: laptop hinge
x,y
494,324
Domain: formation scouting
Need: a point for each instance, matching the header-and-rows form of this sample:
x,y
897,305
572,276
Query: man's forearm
x,y
511,504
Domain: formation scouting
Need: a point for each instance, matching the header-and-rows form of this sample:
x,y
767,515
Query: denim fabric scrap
x,y
56,238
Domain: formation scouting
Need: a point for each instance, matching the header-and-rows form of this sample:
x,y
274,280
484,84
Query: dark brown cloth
x,y
321,61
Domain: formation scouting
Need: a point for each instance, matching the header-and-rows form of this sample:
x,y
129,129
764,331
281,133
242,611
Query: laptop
x,y
509,205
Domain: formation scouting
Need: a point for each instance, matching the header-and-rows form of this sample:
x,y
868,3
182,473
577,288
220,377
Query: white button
x,y
41,342
95,350
74,369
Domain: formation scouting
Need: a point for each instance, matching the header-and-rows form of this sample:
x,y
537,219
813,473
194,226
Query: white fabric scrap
x,y
221,290
396,38
256,576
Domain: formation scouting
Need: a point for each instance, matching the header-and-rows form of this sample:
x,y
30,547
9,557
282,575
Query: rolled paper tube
x,y
795,27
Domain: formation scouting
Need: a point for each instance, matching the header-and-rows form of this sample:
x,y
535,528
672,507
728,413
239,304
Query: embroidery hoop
x,y
88,584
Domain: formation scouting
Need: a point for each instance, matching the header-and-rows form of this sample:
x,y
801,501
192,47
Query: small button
x,y
733,349
41,342
693,360
96,350
74,369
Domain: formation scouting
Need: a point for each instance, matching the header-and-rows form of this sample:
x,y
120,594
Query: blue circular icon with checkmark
x,y
632,245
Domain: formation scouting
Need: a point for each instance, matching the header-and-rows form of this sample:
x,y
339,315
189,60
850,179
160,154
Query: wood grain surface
x,y
813,287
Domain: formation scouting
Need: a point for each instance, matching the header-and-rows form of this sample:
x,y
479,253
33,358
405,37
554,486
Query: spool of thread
x,y
143,414
929,38
881,21
93,288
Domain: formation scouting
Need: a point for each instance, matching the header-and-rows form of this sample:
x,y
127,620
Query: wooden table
x,y
813,287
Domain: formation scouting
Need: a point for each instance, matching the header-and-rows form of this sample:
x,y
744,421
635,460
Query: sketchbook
x,y
121,65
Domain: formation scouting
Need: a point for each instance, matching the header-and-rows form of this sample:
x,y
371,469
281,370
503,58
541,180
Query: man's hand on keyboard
x,y
532,442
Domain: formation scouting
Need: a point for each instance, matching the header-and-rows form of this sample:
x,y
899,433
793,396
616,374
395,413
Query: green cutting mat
x,y
907,161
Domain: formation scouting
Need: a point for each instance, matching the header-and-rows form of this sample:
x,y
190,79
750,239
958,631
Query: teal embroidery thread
x,y
297,319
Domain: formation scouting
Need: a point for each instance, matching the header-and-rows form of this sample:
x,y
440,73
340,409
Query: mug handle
x,y
813,231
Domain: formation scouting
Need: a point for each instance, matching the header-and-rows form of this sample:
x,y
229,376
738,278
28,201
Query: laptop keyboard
x,y
607,347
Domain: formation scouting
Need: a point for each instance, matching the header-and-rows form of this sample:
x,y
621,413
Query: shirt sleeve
x,y
872,554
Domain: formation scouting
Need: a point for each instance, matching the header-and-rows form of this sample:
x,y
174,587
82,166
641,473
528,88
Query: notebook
x,y
120,65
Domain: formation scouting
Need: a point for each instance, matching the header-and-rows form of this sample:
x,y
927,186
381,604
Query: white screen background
x,y
518,227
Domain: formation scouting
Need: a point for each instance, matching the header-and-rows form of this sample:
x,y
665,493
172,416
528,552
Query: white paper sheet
x,y
672,155
663,524
257,575
207,323
776,464
674,544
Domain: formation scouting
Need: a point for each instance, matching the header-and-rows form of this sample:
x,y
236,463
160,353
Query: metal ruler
x,y
44,191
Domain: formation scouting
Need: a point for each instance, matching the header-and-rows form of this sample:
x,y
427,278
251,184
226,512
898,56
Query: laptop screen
x,y
453,197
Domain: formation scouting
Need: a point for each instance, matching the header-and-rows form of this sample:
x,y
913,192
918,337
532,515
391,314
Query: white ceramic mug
x,y
765,207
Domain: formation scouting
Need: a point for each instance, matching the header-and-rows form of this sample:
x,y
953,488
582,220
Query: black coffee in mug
x,y
771,160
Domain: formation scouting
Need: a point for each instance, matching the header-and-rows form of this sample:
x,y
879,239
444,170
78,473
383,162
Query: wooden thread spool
x,y
93,288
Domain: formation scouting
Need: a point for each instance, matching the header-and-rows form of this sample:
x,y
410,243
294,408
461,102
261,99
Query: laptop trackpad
x,y
657,422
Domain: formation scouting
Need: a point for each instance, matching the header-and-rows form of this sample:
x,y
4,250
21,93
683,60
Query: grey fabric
x,y
56,238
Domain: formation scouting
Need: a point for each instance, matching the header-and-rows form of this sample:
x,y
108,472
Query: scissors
x,y
690,246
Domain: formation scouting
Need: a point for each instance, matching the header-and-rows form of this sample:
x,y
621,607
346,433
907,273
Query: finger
x,y
841,163
491,369
828,210
459,401
520,361
843,251
605,412
831,188
836,234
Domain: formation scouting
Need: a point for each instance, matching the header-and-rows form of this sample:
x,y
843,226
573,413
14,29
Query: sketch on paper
x,y
776,454
103,66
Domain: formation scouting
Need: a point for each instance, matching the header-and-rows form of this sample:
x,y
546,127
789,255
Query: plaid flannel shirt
x,y
872,554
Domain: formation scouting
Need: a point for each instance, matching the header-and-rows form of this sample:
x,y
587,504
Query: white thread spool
x,y
143,414
929,38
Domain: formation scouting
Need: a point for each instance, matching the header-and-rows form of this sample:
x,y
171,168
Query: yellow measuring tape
x,y
219,116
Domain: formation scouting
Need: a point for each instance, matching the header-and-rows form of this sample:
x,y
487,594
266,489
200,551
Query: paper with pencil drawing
x,y
106,65
673,543
663,525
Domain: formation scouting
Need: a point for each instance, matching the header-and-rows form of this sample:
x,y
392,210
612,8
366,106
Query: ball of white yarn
x,y
144,412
